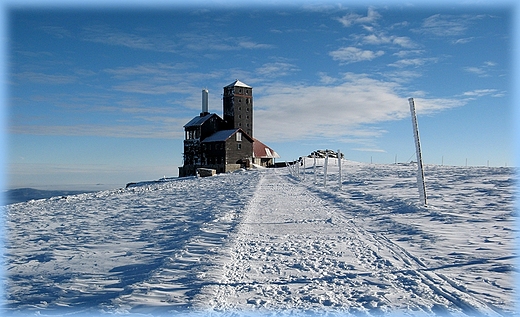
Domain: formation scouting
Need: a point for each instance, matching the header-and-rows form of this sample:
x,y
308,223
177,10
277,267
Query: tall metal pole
x,y
420,170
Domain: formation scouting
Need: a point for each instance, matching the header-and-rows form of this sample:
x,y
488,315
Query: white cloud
x,y
43,78
296,112
353,18
475,70
326,79
378,39
110,36
276,69
481,71
449,26
445,25
463,40
413,62
150,130
483,92
353,54
253,45
57,31
403,54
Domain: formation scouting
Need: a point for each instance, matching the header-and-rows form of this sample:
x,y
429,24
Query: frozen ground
x,y
267,242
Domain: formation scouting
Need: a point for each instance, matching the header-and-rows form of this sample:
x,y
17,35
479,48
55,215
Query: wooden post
x,y
325,169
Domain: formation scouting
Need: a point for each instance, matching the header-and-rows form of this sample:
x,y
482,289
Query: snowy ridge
x,y
268,242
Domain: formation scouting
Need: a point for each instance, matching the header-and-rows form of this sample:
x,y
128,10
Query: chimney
x,y
205,109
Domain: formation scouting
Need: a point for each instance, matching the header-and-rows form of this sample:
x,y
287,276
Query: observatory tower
x,y
238,106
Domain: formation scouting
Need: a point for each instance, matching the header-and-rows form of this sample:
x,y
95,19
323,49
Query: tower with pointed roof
x,y
238,106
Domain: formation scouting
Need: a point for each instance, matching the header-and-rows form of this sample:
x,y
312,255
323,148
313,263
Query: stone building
x,y
227,144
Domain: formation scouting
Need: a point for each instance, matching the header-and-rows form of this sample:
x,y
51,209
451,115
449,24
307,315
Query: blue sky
x,y
100,95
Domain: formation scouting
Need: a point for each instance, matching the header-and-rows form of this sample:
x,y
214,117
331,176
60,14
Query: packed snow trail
x,y
295,251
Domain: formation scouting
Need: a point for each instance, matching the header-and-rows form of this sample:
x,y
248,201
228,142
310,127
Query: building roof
x,y
261,150
238,83
198,120
223,135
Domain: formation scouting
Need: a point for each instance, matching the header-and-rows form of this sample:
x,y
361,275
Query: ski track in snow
x,y
266,242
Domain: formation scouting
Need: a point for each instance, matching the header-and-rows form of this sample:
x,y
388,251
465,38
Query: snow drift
x,y
269,242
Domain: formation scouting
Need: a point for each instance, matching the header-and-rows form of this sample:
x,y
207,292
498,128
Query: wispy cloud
x,y
292,112
276,69
407,53
159,78
444,25
254,45
381,38
353,54
155,131
110,36
44,78
413,62
214,41
483,92
353,18
482,70
56,31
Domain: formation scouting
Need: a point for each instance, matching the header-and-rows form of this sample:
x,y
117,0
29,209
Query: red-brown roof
x,y
261,150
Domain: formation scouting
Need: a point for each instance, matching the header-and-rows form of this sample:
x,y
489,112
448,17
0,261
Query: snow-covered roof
x,y
222,135
238,83
261,150
198,120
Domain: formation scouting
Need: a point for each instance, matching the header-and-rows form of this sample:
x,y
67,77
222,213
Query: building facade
x,y
227,144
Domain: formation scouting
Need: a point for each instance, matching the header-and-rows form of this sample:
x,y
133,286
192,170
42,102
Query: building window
x,y
239,146
239,136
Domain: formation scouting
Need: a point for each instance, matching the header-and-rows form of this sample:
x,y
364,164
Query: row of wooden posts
x,y
294,169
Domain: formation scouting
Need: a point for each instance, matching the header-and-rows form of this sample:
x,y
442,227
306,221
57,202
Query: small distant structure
x,y
224,144
325,153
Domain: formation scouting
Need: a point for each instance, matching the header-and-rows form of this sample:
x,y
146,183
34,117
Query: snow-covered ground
x,y
270,242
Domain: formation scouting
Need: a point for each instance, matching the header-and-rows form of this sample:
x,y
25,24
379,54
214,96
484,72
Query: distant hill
x,y
19,195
